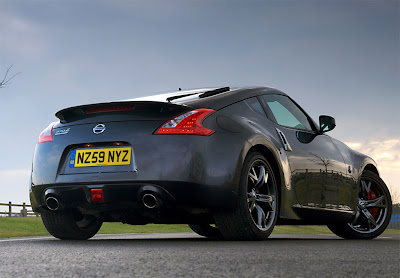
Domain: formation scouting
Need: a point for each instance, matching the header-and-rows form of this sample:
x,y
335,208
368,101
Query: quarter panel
x,y
258,130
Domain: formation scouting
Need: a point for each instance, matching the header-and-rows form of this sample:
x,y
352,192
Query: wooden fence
x,y
24,212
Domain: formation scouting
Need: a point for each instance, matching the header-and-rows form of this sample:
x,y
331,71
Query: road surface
x,y
189,255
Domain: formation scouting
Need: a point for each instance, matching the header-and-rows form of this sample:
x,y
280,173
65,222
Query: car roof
x,y
194,98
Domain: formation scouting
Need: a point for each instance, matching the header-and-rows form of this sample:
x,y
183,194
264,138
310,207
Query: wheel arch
x,y
274,160
276,167
371,168
362,162
367,164
271,149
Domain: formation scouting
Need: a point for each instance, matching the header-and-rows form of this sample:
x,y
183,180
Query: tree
x,y
6,79
395,194
321,161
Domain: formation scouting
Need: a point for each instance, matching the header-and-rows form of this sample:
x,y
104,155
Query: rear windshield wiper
x,y
214,92
203,95
169,99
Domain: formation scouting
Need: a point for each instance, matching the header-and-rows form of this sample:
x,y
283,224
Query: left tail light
x,y
47,134
189,123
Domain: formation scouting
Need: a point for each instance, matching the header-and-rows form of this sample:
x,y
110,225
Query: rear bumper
x,y
129,196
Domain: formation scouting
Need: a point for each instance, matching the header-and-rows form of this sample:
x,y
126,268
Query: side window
x,y
255,105
286,112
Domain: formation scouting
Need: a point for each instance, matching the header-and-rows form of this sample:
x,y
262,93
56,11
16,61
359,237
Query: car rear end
x,y
136,162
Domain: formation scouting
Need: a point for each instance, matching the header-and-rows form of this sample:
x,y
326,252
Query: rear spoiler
x,y
130,107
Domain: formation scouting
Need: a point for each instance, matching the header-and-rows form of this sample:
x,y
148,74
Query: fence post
x,y
9,209
24,211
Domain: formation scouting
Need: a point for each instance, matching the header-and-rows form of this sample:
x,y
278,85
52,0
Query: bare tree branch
x,y
6,80
321,161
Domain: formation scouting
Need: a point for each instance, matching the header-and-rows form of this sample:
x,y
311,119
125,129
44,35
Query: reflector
x,y
97,195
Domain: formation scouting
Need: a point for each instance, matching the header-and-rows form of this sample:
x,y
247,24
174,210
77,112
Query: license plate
x,y
100,157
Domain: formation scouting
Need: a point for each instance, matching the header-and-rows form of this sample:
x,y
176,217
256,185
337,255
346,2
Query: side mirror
x,y
326,123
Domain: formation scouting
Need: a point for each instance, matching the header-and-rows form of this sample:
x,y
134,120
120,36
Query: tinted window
x,y
286,112
255,105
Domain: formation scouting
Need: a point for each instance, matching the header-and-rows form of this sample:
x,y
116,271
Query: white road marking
x,y
25,238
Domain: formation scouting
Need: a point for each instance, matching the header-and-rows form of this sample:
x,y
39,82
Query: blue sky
x,y
339,58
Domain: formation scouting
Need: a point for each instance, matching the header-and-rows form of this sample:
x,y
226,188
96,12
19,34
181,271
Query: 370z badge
x,y
62,131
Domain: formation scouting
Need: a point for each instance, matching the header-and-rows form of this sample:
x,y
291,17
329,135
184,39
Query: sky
x,y
339,58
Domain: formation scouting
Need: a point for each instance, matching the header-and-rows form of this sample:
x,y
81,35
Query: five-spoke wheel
x,y
372,207
261,195
373,210
257,205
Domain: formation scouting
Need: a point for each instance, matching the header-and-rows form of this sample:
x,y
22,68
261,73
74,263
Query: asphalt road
x,y
188,255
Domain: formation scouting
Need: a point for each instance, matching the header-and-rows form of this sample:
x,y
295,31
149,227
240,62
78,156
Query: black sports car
x,y
231,163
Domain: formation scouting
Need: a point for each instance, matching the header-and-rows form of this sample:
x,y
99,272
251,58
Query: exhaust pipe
x,y
52,203
150,201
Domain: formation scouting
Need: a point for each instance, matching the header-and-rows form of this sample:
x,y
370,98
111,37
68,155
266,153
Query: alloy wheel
x,y
372,207
261,195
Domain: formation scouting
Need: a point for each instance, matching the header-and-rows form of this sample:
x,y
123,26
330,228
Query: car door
x,y
317,167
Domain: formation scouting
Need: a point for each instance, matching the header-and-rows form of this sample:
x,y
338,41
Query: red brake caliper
x,y
372,196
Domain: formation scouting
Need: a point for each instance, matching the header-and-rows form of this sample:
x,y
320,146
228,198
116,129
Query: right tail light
x,y
189,123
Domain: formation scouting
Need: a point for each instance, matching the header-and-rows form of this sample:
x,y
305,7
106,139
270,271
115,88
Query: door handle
x,y
285,142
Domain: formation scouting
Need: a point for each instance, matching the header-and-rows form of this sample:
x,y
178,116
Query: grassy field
x,y
33,226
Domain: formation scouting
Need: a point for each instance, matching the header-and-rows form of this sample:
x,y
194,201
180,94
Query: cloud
x,y
14,185
386,153
20,37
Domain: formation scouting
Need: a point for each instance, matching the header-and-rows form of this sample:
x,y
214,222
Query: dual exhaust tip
x,y
149,200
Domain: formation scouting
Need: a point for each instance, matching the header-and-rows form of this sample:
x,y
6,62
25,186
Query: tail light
x,y
188,123
47,134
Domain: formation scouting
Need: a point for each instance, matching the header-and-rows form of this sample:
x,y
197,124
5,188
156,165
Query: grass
x,y
33,226
21,227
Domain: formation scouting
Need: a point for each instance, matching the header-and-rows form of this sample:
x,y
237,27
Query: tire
x,y
71,225
374,210
205,230
256,209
